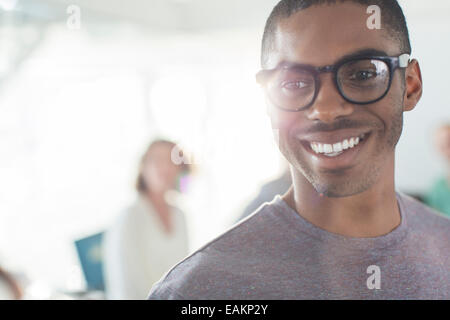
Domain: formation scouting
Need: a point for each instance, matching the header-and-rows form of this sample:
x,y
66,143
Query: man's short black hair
x,y
392,17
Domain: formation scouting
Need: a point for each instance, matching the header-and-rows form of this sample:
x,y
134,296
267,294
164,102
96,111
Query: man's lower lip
x,y
343,160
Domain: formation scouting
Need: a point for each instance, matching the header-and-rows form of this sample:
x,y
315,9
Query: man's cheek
x,y
275,118
288,146
280,119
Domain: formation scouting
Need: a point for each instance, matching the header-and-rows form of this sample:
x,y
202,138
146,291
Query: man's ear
x,y
413,90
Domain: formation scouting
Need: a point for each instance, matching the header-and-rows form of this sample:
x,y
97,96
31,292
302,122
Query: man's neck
x,y
372,213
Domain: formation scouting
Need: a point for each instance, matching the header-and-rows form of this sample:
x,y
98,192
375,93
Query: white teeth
x,y
333,150
321,149
327,148
337,147
334,154
345,144
351,143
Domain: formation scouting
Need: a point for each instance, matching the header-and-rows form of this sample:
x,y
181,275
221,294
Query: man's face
x,y
319,36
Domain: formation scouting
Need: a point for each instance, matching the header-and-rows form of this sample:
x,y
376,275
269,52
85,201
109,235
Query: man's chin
x,y
339,190
335,194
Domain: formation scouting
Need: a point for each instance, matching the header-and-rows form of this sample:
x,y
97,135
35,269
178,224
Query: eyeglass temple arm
x,y
403,60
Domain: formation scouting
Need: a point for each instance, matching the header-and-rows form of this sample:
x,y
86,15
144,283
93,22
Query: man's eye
x,y
363,75
295,85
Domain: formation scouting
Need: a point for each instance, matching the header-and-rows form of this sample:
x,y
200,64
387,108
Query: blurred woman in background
x,y
9,287
151,235
439,195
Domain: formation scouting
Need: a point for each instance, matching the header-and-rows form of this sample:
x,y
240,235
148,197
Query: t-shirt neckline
x,y
300,224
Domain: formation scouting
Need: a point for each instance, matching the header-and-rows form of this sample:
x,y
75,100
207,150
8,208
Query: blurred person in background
x,y
439,195
268,191
150,236
9,287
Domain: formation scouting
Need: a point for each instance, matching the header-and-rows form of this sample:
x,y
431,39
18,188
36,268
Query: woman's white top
x,y
6,292
137,251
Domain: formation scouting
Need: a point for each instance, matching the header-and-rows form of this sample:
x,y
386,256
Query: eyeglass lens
x,y
360,81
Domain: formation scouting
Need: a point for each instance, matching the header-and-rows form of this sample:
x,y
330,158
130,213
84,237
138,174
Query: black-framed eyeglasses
x,y
360,80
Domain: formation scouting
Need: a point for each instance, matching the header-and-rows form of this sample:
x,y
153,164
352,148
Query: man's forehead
x,y
322,34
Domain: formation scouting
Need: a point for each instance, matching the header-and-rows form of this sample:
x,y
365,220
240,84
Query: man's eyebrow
x,y
362,52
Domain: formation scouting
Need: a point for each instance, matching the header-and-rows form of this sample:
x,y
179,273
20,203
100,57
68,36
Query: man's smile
x,y
335,149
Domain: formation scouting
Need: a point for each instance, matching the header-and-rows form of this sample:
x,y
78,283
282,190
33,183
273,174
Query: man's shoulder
x,y
425,219
220,262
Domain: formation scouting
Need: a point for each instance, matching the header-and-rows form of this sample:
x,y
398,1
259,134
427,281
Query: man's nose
x,y
329,104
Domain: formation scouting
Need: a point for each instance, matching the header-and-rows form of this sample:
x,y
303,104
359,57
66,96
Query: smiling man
x,y
336,91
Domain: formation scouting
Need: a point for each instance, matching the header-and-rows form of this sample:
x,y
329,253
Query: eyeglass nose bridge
x,y
325,69
319,71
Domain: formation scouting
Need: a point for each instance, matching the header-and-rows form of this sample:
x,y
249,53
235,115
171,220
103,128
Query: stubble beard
x,y
346,185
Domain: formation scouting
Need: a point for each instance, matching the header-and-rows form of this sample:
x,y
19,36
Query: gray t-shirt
x,y
275,254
